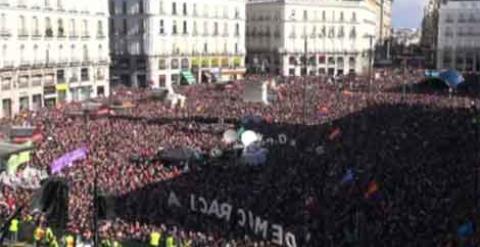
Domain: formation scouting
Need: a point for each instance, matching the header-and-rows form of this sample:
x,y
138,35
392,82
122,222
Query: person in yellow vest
x,y
69,241
115,243
155,238
170,241
38,236
106,243
187,242
14,230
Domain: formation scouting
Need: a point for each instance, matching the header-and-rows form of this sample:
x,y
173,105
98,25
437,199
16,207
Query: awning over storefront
x,y
62,87
195,62
204,62
237,61
188,77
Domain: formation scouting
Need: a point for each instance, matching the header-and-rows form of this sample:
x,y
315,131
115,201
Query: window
x,y
35,53
195,28
225,29
354,17
162,27
35,27
47,4
305,15
60,4
124,7
341,16
22,29
195,9
140,7
236,48
237,29
215,28
324,16
100,28
72,27
205,47
237,13
85,28
174,8
60,28
162,64
205,28
85,53
174,63
174,28
84,74
125,27
48,28
184,8
160,4
185,31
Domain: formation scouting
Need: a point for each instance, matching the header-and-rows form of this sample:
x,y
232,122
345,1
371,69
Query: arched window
x,y
73,29
35,27
48,27
22,27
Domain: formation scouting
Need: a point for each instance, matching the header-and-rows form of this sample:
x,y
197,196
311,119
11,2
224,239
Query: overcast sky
x,y
407,13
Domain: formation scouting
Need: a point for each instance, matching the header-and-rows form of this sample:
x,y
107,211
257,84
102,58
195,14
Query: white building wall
x,y
40,40
157,42
279,51
459,36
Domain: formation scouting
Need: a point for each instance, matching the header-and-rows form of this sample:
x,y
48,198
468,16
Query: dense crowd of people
x,y
396,167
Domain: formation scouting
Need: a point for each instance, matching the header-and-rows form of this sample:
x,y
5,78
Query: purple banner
x,y
67,159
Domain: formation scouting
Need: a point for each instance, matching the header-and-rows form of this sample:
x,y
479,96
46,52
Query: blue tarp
x,y
452,77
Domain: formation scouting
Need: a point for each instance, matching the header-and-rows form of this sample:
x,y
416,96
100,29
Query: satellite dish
x,y
248,137
229,136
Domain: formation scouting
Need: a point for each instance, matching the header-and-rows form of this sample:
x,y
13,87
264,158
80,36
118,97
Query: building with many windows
x,y
159,42
331,37
52,51
459,36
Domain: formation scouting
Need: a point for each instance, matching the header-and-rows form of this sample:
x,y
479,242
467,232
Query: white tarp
x,y
254,155
29,178
256,93
175,99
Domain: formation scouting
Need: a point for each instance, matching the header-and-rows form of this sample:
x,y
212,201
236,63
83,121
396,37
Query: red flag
x,y
372,189
102,112
335,133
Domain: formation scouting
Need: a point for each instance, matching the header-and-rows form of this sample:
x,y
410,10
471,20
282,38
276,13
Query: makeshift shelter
x,y
452,78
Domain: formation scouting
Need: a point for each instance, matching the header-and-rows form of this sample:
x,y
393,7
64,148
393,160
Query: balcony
x,y
21,4
5,33
23,33
86,62
38,63
85,36
4,3
100,35
103,61
7,64
73,36
24,64
36,35
75,62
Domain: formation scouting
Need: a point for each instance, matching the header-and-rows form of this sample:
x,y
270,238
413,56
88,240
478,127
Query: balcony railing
x,y
24,63
85,36
100,35
22,33
5,33
7,64
75,62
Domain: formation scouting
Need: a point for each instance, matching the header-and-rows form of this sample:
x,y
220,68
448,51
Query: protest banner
x,y
67,159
